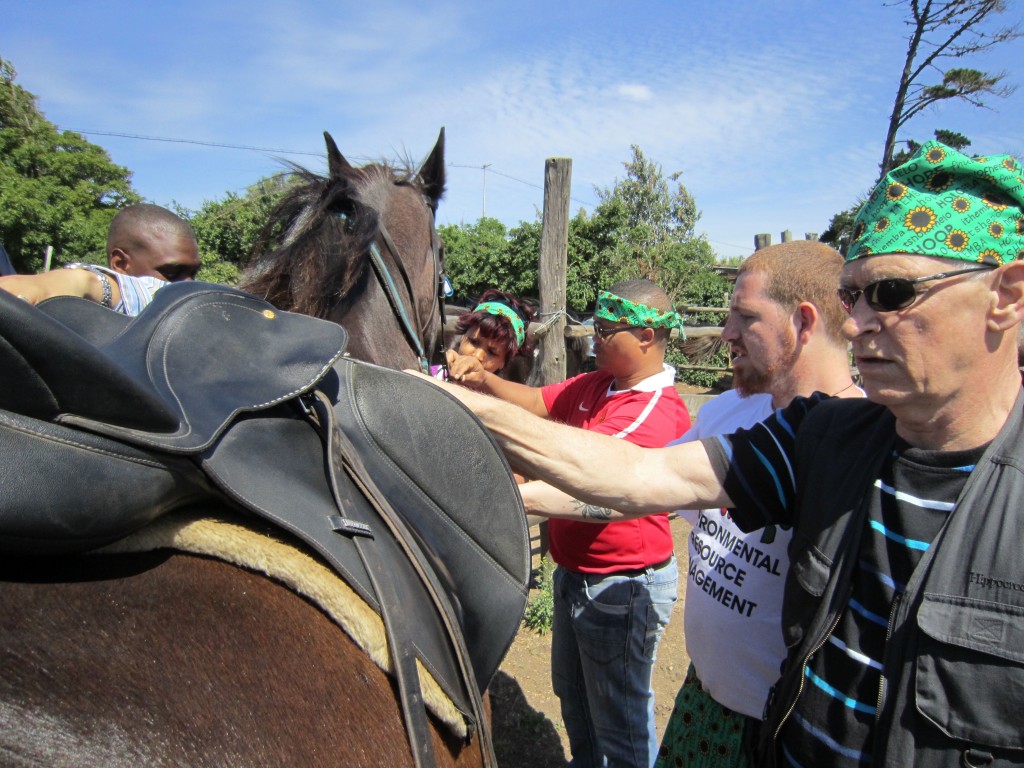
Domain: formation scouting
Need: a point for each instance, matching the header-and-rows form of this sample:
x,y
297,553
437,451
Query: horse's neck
x,y
374,332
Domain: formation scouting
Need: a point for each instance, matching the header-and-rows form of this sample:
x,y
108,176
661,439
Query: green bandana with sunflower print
x,y
619,310
943,203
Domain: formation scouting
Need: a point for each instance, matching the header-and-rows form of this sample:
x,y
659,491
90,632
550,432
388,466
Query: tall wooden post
x,y
552,269
551,279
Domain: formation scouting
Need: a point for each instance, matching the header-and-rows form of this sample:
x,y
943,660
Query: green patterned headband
x,y
619,310
943,203
503,310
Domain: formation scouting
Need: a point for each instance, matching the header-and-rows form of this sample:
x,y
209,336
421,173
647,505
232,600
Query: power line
x,y
490,168
196,141
222,145
280,151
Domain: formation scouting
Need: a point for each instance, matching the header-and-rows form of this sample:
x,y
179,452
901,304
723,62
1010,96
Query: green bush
x,y
541,609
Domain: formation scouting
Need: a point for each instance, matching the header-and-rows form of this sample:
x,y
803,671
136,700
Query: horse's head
x,y
359,247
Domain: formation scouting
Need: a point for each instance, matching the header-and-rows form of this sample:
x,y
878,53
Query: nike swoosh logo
x,y
583,409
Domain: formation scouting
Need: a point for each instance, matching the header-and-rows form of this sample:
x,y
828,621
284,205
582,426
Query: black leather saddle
x,y
107,422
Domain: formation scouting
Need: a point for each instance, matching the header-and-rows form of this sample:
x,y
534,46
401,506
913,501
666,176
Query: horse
x,y
358,247
171,657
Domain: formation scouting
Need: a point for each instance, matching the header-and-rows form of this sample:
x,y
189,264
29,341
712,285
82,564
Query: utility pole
x,y
484,168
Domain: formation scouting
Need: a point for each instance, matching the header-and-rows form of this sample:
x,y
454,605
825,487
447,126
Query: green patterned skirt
x,y
701,733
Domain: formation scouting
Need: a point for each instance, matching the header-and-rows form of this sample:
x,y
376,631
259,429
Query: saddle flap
x,y
48,368
171,378
447,478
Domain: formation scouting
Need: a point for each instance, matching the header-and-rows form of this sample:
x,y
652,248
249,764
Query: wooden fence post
x,y
551,281
552,269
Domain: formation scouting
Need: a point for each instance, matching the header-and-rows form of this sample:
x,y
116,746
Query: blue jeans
x,y
604,637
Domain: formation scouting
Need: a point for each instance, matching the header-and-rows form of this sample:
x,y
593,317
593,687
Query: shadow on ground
x,y
523,737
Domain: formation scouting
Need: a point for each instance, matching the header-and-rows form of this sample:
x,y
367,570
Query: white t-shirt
x,y
733,606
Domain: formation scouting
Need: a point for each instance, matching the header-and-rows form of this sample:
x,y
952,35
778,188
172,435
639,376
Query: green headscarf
x,y
944,203
617,309
503,310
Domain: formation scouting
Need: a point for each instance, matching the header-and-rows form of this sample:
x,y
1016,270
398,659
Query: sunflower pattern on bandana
x,y
617,309
944,203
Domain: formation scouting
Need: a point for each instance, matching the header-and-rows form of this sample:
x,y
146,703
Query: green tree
x,y
643,227
942,30
57,188
226,230
646,216
479,256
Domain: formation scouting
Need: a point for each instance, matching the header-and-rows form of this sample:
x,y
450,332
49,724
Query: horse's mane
x,y
312,251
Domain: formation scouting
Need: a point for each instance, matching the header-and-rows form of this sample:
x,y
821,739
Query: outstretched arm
x,y
545,500
60,282
597,469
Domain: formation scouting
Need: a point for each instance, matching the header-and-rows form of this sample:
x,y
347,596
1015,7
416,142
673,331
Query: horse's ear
x,y
336,162
430,176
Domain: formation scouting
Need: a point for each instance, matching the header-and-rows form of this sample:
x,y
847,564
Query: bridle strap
x,y
395,300
408,320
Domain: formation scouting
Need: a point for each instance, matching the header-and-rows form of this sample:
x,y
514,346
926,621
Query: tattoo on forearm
x,y
592,511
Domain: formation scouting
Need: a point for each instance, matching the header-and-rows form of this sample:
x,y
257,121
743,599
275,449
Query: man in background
x,y
784,332
147,248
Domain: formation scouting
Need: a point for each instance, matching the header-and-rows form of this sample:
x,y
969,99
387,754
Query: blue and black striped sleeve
x,y
756,465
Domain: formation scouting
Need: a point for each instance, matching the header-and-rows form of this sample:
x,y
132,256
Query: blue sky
x,y
774,112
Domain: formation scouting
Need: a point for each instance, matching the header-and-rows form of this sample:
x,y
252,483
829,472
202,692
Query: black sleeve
x,y
756,465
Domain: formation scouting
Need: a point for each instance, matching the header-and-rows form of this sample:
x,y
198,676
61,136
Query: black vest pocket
x,y
970,672
805,584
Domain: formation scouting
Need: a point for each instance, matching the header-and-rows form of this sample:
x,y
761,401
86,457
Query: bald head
x,y
150,241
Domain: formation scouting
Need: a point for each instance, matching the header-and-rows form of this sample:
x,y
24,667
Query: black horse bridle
x,y
409,320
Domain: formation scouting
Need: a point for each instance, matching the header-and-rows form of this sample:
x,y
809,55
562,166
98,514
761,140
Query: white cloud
x,y
634,92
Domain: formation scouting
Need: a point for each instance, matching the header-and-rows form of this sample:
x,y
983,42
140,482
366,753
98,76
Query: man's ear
x,y
805,318
647,336
1008,303
119,261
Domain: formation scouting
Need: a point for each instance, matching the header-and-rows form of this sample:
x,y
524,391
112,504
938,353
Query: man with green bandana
x,y
904,604
615,583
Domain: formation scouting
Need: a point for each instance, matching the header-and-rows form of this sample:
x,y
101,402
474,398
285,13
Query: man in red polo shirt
x,y
615,583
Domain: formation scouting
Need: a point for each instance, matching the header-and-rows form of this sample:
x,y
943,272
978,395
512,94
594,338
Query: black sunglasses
x,y
605,333
175,273
894,293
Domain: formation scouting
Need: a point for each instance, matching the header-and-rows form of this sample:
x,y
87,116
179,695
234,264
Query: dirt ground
x,y
526,721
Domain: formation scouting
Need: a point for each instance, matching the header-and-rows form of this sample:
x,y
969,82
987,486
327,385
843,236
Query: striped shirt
x,y
834,716
136,292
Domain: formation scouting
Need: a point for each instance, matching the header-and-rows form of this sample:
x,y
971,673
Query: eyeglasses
x,y
605,333
894,293
175,273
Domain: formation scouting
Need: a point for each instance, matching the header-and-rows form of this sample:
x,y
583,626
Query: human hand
x,y
465,370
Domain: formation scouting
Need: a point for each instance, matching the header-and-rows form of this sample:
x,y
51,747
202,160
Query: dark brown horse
x,y
165,658
359,247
